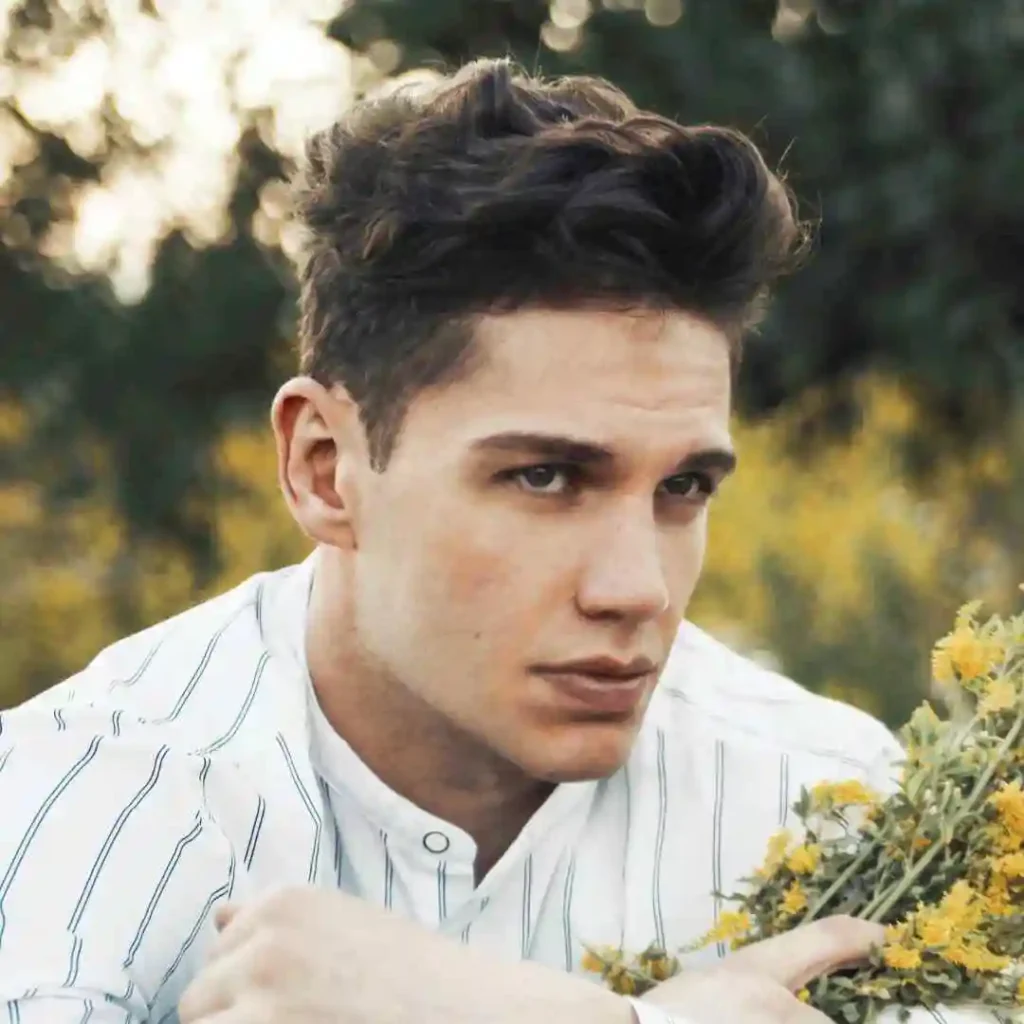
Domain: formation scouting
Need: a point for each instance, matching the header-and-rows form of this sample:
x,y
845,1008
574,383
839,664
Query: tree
x,y
129,396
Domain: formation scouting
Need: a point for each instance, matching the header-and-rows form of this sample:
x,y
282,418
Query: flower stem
x,y
882,904
852,868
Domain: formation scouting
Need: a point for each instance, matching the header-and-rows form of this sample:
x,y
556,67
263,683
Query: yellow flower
x,y
804,995
1001,838
975,957
596,960
794,899
900,958
732,924
1020,991
1010,865
1000,695
847,793
776,853
804,859
935,931
962,905
961,910
1009,804
943,670
967,612
965,655
997,897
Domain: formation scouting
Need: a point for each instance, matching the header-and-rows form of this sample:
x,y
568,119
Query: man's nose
x,y
624,575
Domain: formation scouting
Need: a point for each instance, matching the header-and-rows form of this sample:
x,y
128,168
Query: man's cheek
x,y
478,576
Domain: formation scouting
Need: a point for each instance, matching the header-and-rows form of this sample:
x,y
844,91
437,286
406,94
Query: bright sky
x,y
179,81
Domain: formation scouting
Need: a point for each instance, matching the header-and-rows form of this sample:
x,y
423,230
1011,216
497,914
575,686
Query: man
x,y
472,733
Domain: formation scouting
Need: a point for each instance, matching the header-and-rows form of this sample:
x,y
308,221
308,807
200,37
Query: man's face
x,y
548,509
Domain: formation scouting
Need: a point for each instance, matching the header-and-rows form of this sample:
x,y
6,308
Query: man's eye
x,y
690,486
543,479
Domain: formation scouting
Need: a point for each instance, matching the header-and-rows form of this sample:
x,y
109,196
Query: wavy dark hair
x,y
490,191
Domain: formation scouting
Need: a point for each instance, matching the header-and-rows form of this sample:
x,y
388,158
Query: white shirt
x,y
190,763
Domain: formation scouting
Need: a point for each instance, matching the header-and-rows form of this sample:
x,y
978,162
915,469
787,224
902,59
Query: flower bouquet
x,y
939,860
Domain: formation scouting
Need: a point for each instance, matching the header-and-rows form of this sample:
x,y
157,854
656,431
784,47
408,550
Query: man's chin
x,y
589,758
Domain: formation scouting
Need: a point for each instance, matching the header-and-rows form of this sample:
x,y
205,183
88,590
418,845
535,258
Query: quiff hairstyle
x,y
490,191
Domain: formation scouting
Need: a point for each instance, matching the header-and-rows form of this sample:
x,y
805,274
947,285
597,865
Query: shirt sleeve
x,y
110,867
649,1014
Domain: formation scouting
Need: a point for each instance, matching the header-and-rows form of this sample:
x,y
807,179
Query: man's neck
x,y
417,753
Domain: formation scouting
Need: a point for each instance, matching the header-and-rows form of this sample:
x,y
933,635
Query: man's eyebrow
x,y
721,460
548,446
559,448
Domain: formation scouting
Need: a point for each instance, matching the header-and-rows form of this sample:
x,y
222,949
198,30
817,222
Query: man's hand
x,y
757,984
315,956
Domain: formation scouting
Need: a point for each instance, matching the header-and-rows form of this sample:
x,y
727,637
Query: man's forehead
x,y
592,370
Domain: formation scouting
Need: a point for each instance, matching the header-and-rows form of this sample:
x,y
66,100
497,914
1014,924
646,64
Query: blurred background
x,y
146,302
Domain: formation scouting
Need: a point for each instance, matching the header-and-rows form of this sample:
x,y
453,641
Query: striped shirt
x,y
190,763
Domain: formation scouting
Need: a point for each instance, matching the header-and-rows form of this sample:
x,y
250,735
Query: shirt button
x,y
436,842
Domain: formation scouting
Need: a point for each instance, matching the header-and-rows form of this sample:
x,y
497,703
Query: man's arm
x,y
109,868
317,955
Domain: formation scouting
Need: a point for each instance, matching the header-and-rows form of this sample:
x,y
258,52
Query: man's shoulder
x,y
710,687
193,682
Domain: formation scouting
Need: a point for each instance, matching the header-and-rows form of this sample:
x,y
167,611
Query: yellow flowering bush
x,y
939,860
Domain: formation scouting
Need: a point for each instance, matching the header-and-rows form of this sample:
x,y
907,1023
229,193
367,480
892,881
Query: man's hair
x,y
491,191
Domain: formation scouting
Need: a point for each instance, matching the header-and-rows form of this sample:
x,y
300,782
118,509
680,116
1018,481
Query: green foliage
x,y
144,389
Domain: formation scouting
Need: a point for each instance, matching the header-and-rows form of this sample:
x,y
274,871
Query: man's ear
x,y
320,441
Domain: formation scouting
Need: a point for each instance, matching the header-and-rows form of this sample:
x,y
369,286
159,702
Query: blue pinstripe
x,y
659,842
30,833
161,887
200,669
314,814
76,957
245,709
567,894
108,843
527,909
389,873
716,836
141,670
339,849
442,891
222,892
254,832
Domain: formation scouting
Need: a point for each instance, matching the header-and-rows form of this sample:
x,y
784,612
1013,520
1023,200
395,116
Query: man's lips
x,y
606,685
